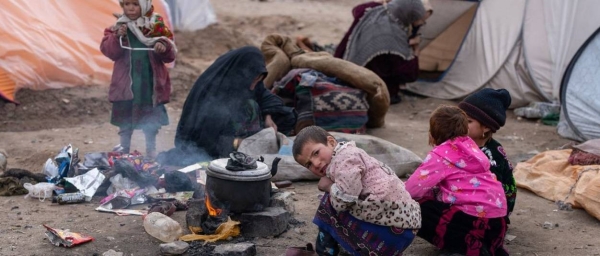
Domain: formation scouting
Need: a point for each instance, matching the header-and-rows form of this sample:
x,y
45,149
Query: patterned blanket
x,y
323,101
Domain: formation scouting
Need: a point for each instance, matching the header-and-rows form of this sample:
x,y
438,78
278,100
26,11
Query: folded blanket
x,y
282,54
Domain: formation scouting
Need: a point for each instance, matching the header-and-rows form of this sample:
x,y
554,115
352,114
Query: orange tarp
x,y
55,43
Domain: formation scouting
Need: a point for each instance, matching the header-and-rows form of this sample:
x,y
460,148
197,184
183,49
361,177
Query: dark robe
x,y
221,107
392,69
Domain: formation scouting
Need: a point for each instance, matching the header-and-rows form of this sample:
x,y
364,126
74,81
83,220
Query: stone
x,y
112,252
240,249
3,160
196,213
285,200
174,248
271,222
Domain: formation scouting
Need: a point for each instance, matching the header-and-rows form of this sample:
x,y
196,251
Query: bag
x,y
41,190
301,251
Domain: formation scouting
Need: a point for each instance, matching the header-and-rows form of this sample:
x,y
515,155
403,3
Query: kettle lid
x,y
217,168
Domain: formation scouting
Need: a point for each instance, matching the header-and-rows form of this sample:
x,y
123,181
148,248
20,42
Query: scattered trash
x,y
66,101
122,212
225,230
69,198
66,238
509,238
87,183
547,225
162,227
538,110
183,196
41,190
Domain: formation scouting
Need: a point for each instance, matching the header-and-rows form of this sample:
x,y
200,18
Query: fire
x,y
212,211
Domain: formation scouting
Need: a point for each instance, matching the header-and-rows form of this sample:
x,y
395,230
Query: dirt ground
x,y
46,121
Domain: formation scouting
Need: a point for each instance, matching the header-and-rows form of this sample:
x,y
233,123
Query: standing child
x,y
366,208
462,203
139,44
486,110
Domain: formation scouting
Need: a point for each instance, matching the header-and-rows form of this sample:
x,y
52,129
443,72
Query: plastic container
x,y
162,227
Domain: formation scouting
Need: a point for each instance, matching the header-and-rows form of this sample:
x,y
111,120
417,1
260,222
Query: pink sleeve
x,y
110,45
426,177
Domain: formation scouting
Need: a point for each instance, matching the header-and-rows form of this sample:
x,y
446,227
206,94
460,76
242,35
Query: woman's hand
x,y
122,30
325,184
159,47
269,123
414,44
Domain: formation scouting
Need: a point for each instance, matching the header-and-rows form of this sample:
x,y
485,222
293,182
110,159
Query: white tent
x,y
524,46
191,15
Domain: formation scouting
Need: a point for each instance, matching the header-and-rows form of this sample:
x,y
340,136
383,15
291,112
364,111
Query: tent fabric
x,y
484,51
191,15
580,106
55,44
7,87
544,34
440,51
550,176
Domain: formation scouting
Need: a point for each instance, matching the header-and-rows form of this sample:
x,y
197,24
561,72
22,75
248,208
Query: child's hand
x,y
325,184
159,47
122,31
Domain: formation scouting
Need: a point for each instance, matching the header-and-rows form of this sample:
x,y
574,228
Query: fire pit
x,y
244,194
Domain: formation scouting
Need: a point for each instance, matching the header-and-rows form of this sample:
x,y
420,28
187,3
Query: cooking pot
x,y
247,190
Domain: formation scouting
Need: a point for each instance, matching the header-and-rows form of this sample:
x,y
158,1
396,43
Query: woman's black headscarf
x,y
216,99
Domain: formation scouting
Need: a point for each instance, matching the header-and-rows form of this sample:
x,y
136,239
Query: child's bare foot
x,y
304,43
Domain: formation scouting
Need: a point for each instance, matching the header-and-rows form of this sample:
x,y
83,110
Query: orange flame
x,y
211,210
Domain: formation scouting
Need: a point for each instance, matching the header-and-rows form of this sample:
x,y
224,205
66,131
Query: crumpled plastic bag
x,y
118,183
227,229
41,190
87,183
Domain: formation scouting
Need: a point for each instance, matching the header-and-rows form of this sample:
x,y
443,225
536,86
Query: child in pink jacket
x,y
140,44
462,203
366,208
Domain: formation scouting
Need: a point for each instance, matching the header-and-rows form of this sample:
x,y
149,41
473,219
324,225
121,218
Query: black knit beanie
x,y
488,106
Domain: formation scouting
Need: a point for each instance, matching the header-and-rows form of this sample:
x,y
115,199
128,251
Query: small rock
x,y
122,224
285,200
241,249
88,142
509,238
112,252
14,207
547,225
66,101
110,238
299,231
174,248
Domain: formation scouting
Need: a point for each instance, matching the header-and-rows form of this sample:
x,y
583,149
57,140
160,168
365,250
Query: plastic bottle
x,y
162,227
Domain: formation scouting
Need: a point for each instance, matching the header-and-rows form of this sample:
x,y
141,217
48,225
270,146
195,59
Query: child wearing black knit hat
x,y
486,110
